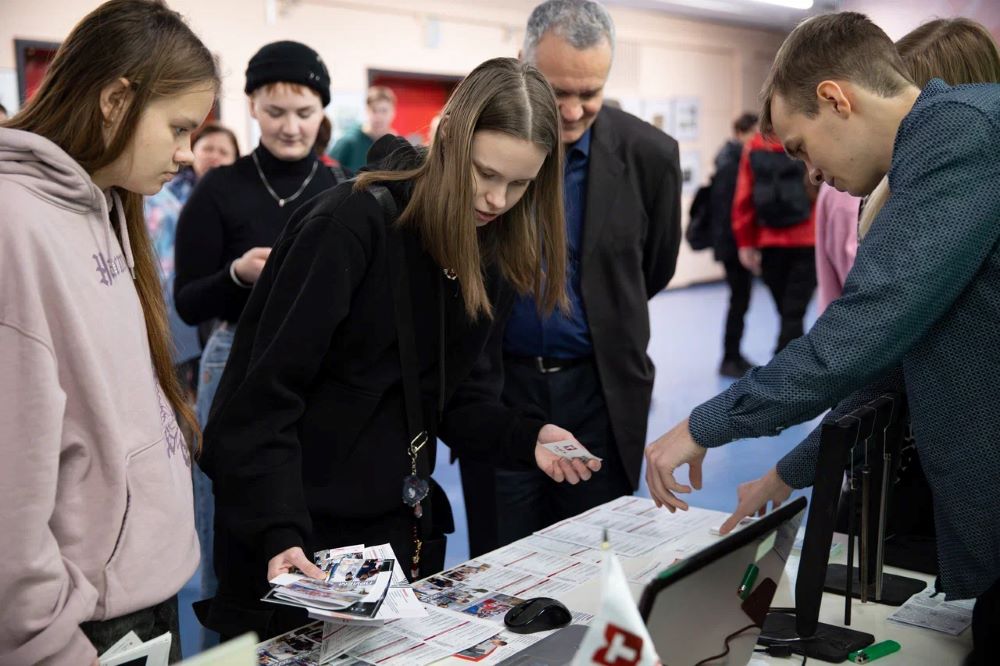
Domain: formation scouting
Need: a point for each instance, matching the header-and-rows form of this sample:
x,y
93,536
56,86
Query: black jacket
x,y
308,427
727,167
631,235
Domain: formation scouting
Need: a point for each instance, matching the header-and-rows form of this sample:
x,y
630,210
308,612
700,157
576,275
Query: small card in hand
x,y
571,449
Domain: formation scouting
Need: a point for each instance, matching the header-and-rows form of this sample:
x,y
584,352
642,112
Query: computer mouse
x,y
538,614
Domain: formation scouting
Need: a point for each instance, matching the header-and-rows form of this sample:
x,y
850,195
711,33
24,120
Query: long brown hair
x,y
528,242
958,51
152,48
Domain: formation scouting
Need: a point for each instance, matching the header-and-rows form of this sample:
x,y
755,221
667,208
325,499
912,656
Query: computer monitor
x,y
800,628
714,603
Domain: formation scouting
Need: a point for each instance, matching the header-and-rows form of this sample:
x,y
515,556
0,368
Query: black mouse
x,y
538,614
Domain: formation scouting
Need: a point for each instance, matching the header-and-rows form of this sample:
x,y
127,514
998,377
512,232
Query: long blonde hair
x,y
508,96
149,45
955,50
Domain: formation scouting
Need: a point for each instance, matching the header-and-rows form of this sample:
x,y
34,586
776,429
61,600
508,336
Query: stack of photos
x,y
354,587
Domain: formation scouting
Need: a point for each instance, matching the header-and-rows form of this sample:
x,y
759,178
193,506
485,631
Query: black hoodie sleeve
x,y
253,453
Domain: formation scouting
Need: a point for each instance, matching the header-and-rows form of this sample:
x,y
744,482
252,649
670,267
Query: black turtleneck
x,y
229,212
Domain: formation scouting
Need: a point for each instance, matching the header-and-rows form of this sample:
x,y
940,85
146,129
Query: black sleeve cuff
x,y
279,539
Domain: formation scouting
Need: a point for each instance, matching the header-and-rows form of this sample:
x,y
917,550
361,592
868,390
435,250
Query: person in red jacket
x,y
775,229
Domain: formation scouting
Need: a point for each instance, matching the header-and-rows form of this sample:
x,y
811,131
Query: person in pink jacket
x,y
836,242
95,485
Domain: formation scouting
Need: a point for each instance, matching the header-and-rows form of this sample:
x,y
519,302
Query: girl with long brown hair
x,y
95,488
313,439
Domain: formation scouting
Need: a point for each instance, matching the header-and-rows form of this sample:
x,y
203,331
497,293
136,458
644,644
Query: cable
x,y
727,639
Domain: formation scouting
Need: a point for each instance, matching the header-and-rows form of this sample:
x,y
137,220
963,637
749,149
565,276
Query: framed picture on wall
x,y
33,59
687,118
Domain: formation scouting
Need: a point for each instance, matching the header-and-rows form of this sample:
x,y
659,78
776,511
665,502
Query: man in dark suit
x,y
588,369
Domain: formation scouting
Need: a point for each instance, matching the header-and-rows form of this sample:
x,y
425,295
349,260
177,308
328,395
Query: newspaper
x,y
463,607
299,647
925,609
362,585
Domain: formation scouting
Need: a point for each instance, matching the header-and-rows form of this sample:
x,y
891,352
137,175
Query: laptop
x,y
708,605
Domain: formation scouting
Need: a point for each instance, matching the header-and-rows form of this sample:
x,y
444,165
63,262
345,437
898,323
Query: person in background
x,y
235,213
836,242
351,150
738,278
309,442
586,369
775,231
919,306
95,485
212,145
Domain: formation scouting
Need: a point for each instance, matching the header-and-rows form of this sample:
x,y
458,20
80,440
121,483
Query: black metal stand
x,y
829,643
895,589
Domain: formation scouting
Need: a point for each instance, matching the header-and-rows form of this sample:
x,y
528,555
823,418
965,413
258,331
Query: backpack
x,y
779,189
699,230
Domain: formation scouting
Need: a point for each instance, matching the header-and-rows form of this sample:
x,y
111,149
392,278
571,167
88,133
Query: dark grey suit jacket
x,y
631,235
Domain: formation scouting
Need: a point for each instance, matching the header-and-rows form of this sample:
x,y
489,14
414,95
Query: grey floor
x,y
686,347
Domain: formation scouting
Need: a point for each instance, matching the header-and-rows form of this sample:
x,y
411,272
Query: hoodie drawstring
x,y
123,226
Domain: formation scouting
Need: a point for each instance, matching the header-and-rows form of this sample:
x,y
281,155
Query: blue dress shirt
x,y
559,335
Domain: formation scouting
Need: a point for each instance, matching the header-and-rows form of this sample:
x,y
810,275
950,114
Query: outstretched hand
x,y
753,497
665,455
558,468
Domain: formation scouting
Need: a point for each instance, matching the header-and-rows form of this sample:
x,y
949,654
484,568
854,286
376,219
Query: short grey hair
x,y
582,23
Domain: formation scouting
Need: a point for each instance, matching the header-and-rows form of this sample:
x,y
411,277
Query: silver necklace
x,y
270,190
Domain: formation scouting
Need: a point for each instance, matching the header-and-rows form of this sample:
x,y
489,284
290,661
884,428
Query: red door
x,y
418,100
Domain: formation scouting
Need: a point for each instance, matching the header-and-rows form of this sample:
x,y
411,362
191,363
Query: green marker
x,y
873,652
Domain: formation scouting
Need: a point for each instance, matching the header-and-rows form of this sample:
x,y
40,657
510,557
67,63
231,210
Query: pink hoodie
x,y
95,486
836,242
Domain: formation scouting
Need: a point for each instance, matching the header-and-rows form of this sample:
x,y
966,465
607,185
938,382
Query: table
x,y
581,590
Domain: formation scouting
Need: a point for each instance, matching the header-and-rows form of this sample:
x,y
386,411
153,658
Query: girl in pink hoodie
x,y
95,485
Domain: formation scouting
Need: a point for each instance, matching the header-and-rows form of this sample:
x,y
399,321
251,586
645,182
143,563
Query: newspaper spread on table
x,y
464,606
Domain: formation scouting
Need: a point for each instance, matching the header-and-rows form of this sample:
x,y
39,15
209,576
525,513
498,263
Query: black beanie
x,y
291,62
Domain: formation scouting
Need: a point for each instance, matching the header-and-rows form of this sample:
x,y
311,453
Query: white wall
x,y
660,57
898,18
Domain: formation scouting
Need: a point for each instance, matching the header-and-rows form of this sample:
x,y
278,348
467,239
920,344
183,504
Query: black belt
x,y
548,364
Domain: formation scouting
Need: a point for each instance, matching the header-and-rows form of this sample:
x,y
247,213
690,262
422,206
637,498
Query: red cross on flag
x,y
617,636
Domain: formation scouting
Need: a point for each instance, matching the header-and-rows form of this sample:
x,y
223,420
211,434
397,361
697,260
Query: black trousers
x,y
790,275
516,503
147,623
740,282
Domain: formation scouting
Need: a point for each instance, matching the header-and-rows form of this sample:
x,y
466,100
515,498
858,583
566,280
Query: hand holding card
x,y
562,457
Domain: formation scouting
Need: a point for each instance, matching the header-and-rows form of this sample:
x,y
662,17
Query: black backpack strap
x,y
400,281
339,175
403,309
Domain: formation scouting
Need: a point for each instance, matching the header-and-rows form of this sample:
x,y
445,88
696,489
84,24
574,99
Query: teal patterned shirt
x,y
921,306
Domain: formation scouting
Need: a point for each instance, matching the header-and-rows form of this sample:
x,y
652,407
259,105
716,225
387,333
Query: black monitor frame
x,y
862,436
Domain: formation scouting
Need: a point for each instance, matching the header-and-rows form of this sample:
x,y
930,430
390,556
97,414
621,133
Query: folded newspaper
x,y
362,585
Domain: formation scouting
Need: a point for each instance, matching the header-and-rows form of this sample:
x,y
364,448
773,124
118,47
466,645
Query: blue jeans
x,y
213,362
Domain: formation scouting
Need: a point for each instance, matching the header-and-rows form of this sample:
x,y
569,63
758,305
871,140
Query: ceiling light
x,y
791,4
